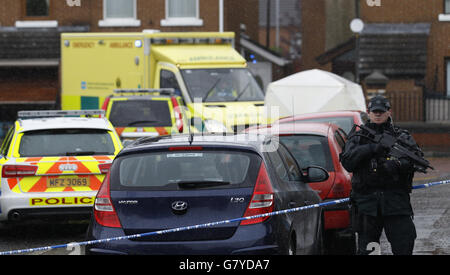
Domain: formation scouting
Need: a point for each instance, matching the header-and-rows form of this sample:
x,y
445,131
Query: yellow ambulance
x,y
212,78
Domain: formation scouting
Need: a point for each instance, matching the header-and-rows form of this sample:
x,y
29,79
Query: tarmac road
x,y
431,208
431,212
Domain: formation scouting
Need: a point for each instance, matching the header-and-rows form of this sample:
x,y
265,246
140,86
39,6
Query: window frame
x,y
445,7
181,21
447,76
36,21
444,16
120,21
37,17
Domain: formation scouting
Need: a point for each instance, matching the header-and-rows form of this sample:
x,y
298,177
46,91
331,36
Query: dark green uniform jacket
x,y
374,189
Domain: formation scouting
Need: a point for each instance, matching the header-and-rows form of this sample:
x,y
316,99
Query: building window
x,y
182,8
119,13
445,17
37,8
447,79
119,8
182,13
36,14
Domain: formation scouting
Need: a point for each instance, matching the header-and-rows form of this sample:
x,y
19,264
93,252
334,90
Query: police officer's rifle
x,y
398,147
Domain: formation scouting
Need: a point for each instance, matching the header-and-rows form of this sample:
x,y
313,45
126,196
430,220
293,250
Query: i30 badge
x,y
179,207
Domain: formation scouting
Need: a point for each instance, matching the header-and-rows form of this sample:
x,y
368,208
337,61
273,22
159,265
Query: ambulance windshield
x,y
222,85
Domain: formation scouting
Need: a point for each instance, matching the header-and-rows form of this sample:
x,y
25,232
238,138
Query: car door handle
x,y
306,202
292,204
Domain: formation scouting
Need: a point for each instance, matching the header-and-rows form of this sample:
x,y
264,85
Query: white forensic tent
x,y
313,91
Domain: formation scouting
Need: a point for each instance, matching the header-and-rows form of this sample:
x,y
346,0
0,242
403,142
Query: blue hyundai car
x,y
170,182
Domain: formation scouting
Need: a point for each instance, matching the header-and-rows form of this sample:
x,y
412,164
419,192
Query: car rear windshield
x,y
309,150
346,123
177,170
140,113
66,142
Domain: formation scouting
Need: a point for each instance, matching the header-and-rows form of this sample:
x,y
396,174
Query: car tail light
x,y
104,167
105,104
340,188
104,211
178,115
13,171
262,199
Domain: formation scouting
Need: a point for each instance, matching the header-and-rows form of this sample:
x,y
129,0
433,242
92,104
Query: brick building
x,y
403,50
30,34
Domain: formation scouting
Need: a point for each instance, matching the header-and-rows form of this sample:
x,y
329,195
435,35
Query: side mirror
x,y
316,174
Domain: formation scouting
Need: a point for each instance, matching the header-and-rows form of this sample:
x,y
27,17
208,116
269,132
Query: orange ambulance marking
x,y
12,182
161,131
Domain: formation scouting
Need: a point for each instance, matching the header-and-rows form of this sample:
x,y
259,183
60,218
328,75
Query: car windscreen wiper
x,y
86,153
201,184
210,90
242,92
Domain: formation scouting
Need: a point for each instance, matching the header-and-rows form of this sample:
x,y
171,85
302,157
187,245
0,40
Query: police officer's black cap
x,y
379,103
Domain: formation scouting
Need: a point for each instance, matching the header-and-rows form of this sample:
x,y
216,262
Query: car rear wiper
x,y
86,153
141,121
201,184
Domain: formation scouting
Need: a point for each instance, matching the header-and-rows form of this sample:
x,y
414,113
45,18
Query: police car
x,y
145,112
53,162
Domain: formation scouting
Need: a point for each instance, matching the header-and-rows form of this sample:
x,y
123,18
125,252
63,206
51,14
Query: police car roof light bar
x,y
60,113
161,91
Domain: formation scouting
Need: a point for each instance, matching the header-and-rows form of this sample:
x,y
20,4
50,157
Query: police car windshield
x,y
222,85
63,142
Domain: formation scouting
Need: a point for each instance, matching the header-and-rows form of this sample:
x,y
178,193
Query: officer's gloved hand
x,y
379,149
391,166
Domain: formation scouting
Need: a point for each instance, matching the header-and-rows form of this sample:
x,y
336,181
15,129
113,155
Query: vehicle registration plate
x,y
68,182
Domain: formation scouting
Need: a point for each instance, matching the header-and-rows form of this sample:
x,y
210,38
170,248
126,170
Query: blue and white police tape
x,y
426,185
184,228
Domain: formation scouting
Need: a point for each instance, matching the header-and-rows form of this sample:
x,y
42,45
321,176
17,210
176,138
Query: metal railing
x,y
419,106
437,107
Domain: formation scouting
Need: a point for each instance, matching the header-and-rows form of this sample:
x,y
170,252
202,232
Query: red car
x,y
320,144
344,119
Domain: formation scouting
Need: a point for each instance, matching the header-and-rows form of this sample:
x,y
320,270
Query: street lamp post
x,y
357,26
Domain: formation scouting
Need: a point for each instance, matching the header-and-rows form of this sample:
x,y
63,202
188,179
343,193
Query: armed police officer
x,y
381,183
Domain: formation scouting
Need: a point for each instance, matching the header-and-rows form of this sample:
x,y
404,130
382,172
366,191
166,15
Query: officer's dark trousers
x,y
400,232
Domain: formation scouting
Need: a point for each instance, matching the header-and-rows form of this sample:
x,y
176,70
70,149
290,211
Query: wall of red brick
x,y
149,13
414,11
40,86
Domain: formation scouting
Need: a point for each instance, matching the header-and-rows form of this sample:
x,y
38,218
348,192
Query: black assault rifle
x,y
399,147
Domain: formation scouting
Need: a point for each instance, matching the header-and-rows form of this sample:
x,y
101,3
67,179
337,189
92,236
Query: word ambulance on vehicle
x,y
203,68
53,163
